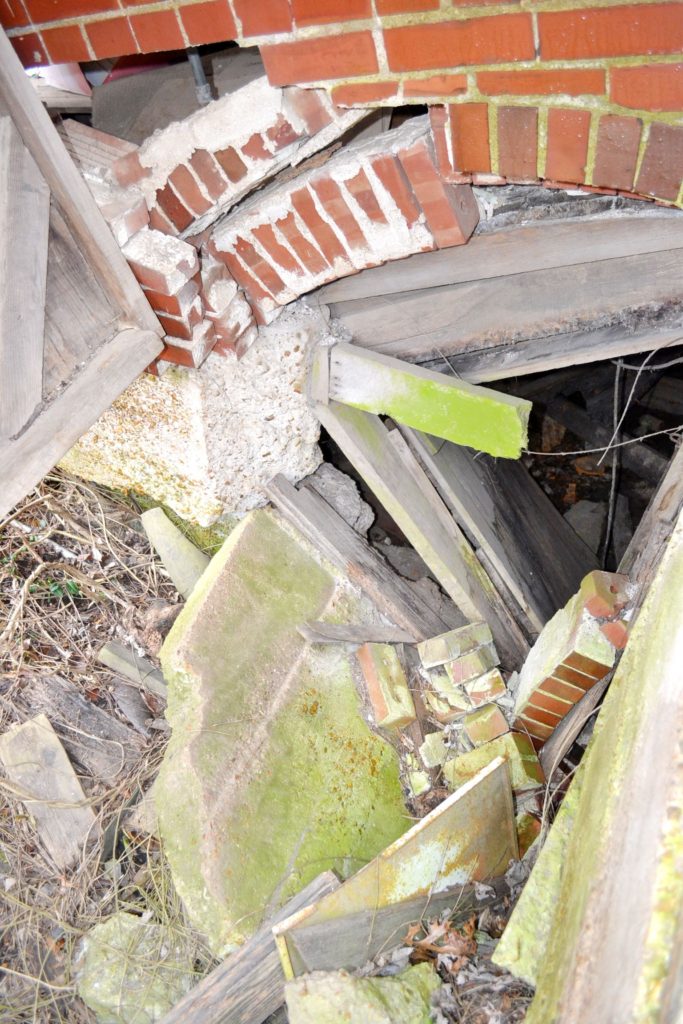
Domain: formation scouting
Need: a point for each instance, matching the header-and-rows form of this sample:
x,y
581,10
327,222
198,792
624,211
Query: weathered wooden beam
x,y
400,484
128,664
358,633
336,540
183,561
40,775
26,460
533,549
24,222
532,247
456,410
249,986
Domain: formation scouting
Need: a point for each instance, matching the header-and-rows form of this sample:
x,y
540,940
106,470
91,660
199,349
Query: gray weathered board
x,y
24,212
249,985
99,330
40,775
324,528
425,324
358,633
401,485
532,547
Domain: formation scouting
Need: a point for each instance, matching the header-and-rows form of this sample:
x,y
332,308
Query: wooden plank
x,y
248,986
644,461
424,324
24,213
400,484
469,837
91,736
534,550
79,317
128,664
66,184
357,633
349,942
557,350
455,410
532,247
336,540
40,775
25,461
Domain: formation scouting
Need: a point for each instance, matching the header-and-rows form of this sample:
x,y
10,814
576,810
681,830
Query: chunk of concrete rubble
x,y
184,562
387,686
518,750
132,971
271,773
338,997
341,492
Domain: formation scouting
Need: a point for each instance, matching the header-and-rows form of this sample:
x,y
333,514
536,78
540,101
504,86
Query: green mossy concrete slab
x,y
340,998
272,774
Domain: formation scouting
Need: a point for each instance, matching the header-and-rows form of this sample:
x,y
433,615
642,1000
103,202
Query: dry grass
x,y
75,572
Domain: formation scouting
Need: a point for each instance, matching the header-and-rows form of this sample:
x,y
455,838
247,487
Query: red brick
x,y
438,122
548,703
261,17
363,93
653,87
29,49
361,190
616,633
255,148
611,32
534,729
282,134
232,163
65,44
562,689
251,285
278,253
570,674
325,238
209,22
337,209
493,40
341,56
538,715
176,305
470,136
405,6
450,210
57,10
435,85
208,171
660,171
176,354
13,14
567,145
306,252
128,170
393,178
317,12
174,327
187,188
111,38
518,142
617,151
160,222
604,594
261,268
570,82
308,105
158,30
171,205
586,665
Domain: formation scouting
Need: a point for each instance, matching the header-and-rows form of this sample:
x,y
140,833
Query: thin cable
x,y
593,451
627,406
615,465
651,369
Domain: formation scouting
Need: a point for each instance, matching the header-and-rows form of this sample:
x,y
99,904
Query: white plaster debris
x,y
206,442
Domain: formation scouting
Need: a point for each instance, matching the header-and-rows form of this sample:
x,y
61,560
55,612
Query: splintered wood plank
x,y
25,461
469,837
41,776
335,539
250,985
64,179
456,410
532,247
425,324
401,485
24,214
534,550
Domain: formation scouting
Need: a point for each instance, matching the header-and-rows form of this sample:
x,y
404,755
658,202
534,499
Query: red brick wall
x,y
583,93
